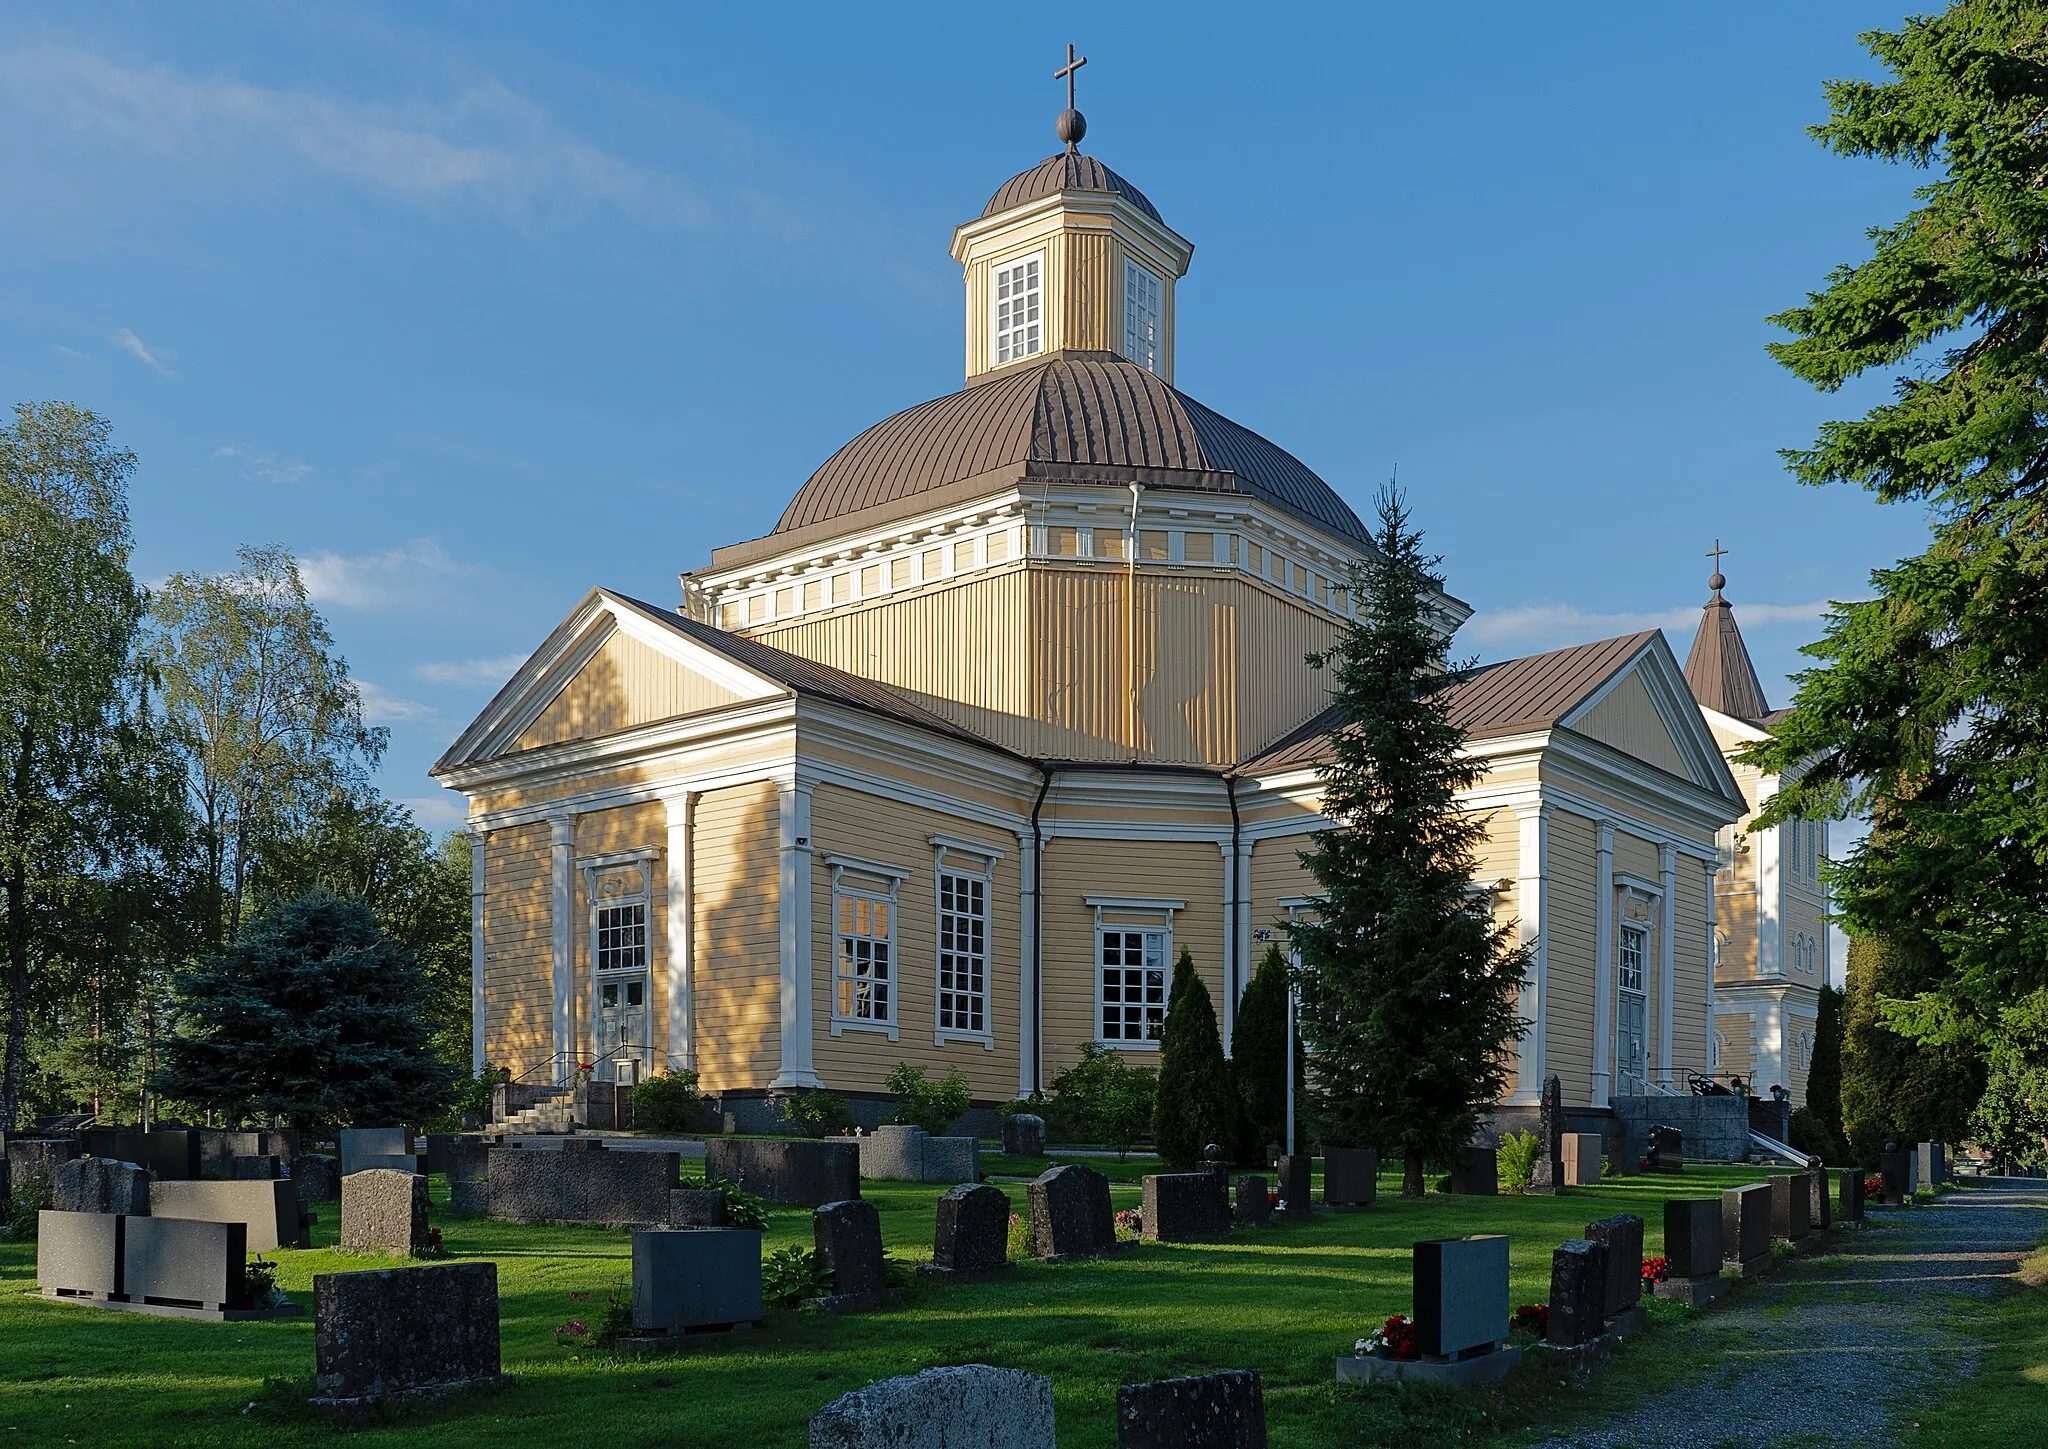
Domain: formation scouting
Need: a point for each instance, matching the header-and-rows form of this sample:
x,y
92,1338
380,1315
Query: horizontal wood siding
x,y
1628,720
1690,987
519,1009
736,864
1570,928
603,832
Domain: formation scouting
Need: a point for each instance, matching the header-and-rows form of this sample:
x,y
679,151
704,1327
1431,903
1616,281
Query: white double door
x,y
621,1021
1631,1053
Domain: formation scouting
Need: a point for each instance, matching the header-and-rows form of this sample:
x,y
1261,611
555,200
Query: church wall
x,y
1735,918
735,866
518,797
625,683
519,1008
603,832
1803,916
1689,1025
1628,720
1570,928
1738,1052
887,832
1073,868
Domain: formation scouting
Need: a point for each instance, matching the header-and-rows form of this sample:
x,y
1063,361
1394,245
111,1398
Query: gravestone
x,y
389,1149
1582,1159
623,1189
171,1154
252,1168
1183,1207
27,1156
441,1147
317,1177
848,1237
176,1262
1791,1214
1070,1213
384,1211
1896,1163
100,1185
1211,1411
1819,1204
1253,1204
1295,1172
1692,1237
695,1278
1667,1149
696,1207
1024,1135
1623,1235
467,1162
1578,1293
268,1211
972,1239
1746,1228
1849,1201
787,1170
78,1255
400,1334
1461,1294
1931,1166
1548,1173
1477,1173
971,1406
1350,1176
899,1153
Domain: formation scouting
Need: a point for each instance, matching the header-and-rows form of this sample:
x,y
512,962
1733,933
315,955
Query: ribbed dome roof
x,y
1068,171
1061,418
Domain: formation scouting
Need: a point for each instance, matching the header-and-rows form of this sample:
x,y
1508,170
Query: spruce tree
x,y
1258,1049
1194,1105
1824,1076
313,1015
1894,1088
1408,988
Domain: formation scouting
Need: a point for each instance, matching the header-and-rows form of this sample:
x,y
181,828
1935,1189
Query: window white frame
x,y
1143,924
1143,315
1016,309
1631,957
867,968
961,940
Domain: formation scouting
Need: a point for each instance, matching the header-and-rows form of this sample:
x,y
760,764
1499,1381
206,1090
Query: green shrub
x,y
817,1113
790,1275
1102,1098
1516,1160
1812,1136
1020,1241
1196,1103
668,1102
32,1194
921,1102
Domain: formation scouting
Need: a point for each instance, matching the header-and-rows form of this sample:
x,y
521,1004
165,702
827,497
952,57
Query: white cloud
x,y
261,467
155,357
1551,625
71,353
416,574
471,672
381,706
445,811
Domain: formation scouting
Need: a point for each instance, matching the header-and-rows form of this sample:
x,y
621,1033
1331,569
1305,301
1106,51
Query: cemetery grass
x,y
1284,1301
2005,1402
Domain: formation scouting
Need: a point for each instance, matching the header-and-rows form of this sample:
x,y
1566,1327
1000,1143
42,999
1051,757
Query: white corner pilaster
x,y
1241,927
1027,964
682,934
1233,964
1532,828
1770,892
1713,964
1603,970
562,908
797,1070
1667,956
478,1025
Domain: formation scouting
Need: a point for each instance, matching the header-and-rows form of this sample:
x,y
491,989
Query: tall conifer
x,y
1194,1106
1258,1052
1408,986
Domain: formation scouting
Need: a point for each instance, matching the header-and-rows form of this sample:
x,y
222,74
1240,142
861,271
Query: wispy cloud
x,y
262,467
469,672
417,574
72,354
445,811
381,706
155,357
1555,624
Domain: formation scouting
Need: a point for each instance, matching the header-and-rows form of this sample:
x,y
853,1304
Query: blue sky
x,y
475,306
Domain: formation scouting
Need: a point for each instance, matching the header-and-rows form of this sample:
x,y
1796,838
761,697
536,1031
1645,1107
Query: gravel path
x,y
1835,1357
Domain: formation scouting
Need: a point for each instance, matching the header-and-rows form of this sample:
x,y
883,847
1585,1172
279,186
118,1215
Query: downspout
x,y
1233,967
1131,625
1038,932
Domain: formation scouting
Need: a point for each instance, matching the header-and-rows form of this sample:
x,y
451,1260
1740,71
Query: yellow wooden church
x,y
1008,708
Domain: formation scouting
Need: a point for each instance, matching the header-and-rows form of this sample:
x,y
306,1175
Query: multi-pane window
x,y
963,952
1141,316
863,975
1629,958
622,936
1019,300
1133,984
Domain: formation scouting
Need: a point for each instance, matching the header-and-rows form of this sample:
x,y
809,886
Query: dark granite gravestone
x,y
252,1168
1253,1205
1461,1294
1578,1293
1692,1237
100,1185
39,1157
1896,1164
1623,1235
1296,1184
1791,1214
78,1255
404,1333
1849,1202
1819,1204
1024,1136
696,1207
268,1211
786,1170
317,1177
624,1189
1746,1228
1477,1173
169,1153
384,1211
388,1148
1350,1176
181,1263
467,1158
1667,1149
1212,1411
941,1408
1183,1207
1547,1175
440,1150
972,1239
1070,1213
848,1236
695,1278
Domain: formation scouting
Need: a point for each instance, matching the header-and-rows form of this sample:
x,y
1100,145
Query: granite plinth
x,y
1484,1368
787,1170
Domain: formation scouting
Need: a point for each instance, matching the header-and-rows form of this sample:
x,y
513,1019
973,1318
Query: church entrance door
x,y
1631,1060
621,1044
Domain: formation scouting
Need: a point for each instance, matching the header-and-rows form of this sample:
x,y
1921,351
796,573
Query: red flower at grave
x,y
1534,1316
1655,1271
1272,1199
1873,1187
1399,1332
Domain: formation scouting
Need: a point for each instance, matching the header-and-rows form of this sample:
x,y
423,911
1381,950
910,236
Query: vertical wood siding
x,y
1628,720
1570,928
626,683
736,861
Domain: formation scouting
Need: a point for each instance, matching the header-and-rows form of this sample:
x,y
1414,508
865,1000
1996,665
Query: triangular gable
x,y
607,667
1644,709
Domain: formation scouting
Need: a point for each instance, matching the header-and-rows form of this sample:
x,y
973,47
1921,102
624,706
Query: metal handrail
x,y
1782,1149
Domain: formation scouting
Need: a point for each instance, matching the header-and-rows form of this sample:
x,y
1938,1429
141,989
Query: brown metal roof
x,y
1510,698
1066,417
1068,171
1718,669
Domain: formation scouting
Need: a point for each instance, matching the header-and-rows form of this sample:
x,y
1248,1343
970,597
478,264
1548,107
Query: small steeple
x,y
1072,125
1719,669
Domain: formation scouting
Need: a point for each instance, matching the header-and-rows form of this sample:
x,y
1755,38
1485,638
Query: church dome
x,y
1068,171
1074,417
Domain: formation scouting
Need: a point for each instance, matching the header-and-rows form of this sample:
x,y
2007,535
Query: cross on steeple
x,y
1717,581
1716,553
1066,72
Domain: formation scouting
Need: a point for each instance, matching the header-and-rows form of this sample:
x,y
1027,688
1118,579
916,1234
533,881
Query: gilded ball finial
x,y
1071,126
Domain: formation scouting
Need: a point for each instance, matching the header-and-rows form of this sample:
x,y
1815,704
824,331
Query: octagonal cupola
x,y
1068,256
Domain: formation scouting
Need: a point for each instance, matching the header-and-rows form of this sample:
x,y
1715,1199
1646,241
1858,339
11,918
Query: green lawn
x,y
1283,1301
2006,1400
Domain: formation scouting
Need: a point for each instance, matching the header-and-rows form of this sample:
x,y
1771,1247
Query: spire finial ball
x,y
1717,583
1071,126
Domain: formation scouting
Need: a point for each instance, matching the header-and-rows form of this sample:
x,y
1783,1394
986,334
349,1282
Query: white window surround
x,y
1141,315
964,860
1016,309
1133,932
854,943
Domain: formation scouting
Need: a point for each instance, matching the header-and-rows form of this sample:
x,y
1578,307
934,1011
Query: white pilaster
x,y
1233,964
1027,964
562,907
1770,892
797,1070
1603,970
1532,826
1713,965
477,1023
1667,956
1241,927
682,934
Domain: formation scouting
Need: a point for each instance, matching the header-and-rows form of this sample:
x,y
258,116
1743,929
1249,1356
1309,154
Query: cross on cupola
x,y
1718,582
1072,125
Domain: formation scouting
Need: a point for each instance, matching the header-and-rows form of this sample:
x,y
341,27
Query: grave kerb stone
x,y
1209,1411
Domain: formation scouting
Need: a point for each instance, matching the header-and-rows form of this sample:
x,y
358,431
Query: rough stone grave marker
x,y
1024,1135
971,1406
1819,1204
1548,1174
787,1170
1210,1411
696,1207
404,1335
1350,1176
100,1185
384,1211
623,1189
1578,1293
1183,1207
1746,1228
1070,1213
1623,1235
972,1238
688,1279
848,1238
